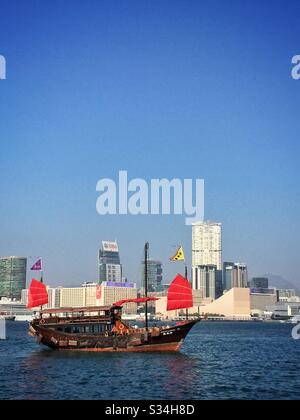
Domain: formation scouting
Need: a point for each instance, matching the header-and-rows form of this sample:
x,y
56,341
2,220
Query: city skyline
x,y
177,268
162,92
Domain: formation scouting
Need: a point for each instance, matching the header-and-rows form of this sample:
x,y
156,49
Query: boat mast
x,y
186,276
146,284
10,286
42,280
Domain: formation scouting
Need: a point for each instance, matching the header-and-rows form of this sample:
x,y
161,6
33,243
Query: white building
x,y
285,295
207,244
91,294
120,291
284,310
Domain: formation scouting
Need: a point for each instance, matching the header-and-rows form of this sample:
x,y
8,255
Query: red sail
x,y
180,294
37,294
140,300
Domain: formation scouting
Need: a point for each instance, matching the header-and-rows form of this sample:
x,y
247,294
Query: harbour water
x,y
217,361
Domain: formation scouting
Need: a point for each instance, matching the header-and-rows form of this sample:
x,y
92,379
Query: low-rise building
x,y
286,294
114,292
284,310
91,294
234,304
259,283
260,299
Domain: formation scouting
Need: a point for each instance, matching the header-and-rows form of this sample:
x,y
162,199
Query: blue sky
x,y
188,89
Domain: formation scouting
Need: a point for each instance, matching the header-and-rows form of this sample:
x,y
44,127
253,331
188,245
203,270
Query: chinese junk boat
x,y
101,329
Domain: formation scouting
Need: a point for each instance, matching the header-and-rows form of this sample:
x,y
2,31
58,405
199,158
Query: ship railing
x,y
75,320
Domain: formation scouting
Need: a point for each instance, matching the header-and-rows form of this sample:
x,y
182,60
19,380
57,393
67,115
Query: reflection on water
x,y
121,373
217,361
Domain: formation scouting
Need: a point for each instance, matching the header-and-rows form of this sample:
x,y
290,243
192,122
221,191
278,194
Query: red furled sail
x,y
139,300
37,294
180,294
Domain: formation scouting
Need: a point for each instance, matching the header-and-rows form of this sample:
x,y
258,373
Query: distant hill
x,y
281,283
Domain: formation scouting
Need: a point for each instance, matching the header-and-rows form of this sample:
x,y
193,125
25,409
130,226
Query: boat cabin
x,y
90,320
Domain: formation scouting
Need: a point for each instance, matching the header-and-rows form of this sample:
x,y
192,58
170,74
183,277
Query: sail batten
x,y
37,294
180,294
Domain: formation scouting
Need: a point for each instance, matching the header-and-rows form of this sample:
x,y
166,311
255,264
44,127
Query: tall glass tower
x,y
12,277
110,268
155,275
235,275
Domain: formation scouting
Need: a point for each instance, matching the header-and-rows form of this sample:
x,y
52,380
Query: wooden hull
x,y
157,340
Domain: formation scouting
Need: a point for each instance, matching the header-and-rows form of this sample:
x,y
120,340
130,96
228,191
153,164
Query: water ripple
x,y
218,361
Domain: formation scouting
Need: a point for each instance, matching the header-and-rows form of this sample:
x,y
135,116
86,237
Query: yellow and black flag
x,y
179,255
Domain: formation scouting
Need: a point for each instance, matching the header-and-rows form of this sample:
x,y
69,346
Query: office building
x,y
205,280
235,275
284,295
110,268
114,292
259,283
155,275
228,275
261,298
88,295
285,311
54,295
207,251
207,244
12,277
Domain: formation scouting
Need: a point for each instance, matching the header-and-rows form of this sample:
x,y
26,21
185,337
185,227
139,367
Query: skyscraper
x,y
235,275
207,244
155,273
207,251
12,277
205,280
241,275
110,268
228,274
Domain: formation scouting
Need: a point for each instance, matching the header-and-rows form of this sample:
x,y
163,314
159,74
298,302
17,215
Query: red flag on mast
x,y
180,294
37,294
